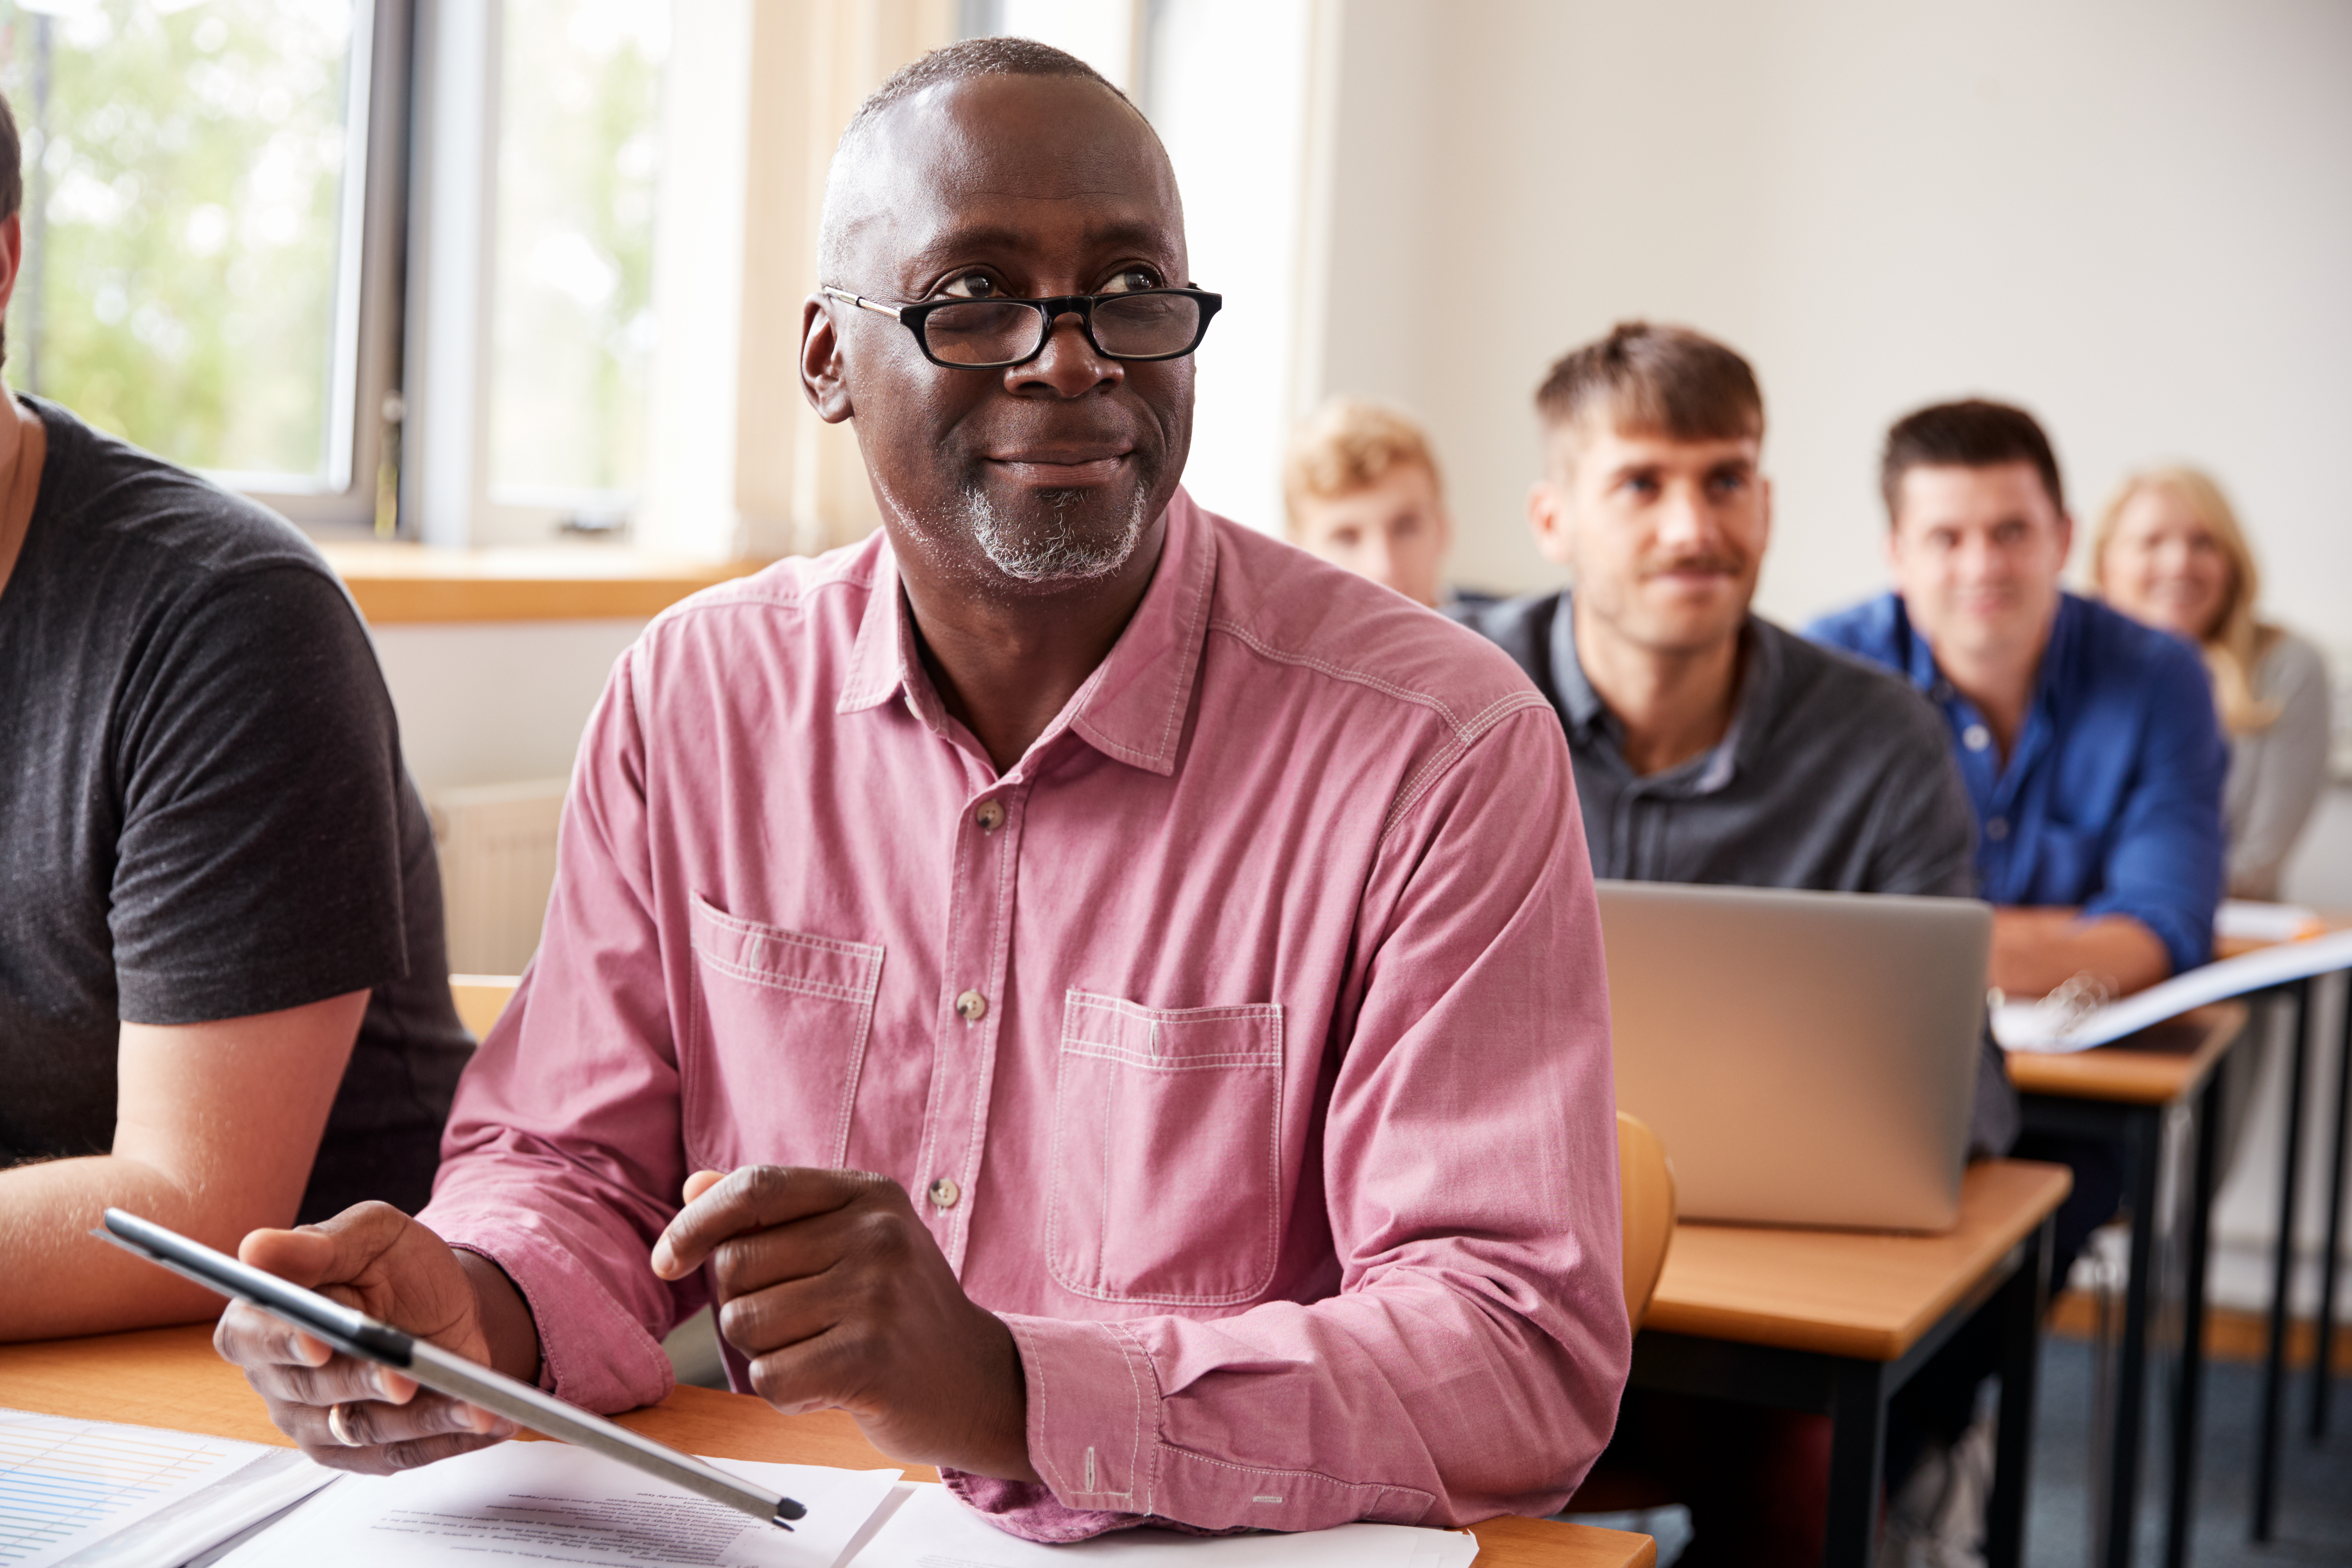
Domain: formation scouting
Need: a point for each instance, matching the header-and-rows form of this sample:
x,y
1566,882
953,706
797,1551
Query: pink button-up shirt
x,y
1244,1046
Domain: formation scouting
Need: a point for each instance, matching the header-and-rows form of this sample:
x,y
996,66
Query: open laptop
x,y
1807,1058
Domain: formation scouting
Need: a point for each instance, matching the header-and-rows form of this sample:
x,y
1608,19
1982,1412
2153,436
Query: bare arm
x,y
216,1128
2036,951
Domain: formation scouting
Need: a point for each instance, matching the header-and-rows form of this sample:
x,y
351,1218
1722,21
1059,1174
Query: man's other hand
x,y
376,1258
836,1293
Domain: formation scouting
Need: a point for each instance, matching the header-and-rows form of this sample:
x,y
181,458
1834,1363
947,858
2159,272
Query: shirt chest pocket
x,y
779,1027
1167,1183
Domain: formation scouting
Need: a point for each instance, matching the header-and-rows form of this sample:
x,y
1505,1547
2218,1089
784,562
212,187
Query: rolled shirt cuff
x,y
592,1351
1094,1434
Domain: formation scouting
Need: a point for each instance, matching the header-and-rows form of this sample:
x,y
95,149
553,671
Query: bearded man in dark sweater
x,y
1711,746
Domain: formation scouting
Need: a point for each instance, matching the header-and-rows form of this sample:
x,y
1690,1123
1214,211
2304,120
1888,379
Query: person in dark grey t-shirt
x,y
224,1001
1711,746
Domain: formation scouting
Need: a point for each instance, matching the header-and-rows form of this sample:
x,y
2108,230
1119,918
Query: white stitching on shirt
x,y
1131,1351
1410,794
1307,661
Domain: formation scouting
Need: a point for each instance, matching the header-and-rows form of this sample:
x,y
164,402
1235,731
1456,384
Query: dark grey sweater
x,y
1835,775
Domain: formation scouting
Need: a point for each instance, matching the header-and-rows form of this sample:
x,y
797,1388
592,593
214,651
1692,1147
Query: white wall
x,y
2129,216
496,703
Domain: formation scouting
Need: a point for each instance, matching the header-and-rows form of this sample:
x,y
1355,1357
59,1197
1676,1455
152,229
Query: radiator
x,y
497,863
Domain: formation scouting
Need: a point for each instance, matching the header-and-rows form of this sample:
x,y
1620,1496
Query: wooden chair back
x,y
1646,1184
481,1000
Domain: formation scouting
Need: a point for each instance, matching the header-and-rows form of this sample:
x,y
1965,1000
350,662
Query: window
x,y
431,264
572,320
198,236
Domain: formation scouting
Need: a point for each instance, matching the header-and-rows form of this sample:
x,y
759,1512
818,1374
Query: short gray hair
x,y
961,62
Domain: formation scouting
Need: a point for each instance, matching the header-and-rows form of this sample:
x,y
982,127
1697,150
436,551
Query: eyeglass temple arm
x,y
860,301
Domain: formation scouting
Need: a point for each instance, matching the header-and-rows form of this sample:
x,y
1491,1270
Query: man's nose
x,y
1982,558
1069,365
1685,519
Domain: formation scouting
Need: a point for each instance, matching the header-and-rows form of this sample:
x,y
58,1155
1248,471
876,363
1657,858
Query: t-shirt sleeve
x,y
258,774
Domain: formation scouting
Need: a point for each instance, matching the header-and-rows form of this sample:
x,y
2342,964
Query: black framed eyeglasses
x,y
996,334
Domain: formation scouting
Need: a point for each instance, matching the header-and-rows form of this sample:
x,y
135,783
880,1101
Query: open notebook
x,y
93,1494
2070,1019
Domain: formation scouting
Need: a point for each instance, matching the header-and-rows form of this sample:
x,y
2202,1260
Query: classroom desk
x,y
1835,1322
171,1378
2122,1093
2297,993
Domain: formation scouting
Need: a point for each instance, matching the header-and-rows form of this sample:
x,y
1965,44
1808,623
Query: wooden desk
x,y
2160,1066
171,1378
1836,1321
2121,1094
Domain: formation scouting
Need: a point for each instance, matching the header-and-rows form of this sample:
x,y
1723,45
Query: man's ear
x,y
2065,538
821,370
12,257
1548,519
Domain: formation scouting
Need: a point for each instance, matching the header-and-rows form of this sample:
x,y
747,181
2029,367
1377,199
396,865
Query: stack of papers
x,y
551,1503
2249,921
2052,1026
99,1495
89,1494
931,1530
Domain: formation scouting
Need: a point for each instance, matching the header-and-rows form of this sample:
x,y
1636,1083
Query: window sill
x,y
399,584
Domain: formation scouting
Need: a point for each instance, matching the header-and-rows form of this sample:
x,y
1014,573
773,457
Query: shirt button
x,y
1975,738
972,1006
1997,829
991,816
944,1192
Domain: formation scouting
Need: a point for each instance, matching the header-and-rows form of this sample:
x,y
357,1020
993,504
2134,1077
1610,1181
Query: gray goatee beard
x,y
1058,552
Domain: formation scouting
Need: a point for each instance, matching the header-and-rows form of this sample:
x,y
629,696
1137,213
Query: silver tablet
x,y
356,1333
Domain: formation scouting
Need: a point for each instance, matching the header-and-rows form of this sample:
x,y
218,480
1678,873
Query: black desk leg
x,y
2322,1360
2190,1396
2266,1438
2143,1148
2020,1304
1857,1462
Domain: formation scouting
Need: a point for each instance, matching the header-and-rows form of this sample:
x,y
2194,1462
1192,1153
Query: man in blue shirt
x,y
2087,740
2090,751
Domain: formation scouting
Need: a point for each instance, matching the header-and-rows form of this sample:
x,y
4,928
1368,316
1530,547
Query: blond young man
x,y
1360,489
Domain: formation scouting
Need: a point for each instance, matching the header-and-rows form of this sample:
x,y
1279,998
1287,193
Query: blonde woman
x,y
2170,552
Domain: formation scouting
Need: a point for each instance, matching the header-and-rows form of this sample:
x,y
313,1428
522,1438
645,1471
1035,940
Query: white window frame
x,y
350,498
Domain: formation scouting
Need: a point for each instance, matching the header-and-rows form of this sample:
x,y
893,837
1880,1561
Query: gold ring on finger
x,y
338,1419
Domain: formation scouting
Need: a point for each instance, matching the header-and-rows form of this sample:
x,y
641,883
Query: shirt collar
x,y
1585,704
1131,709
1590,721
2049,676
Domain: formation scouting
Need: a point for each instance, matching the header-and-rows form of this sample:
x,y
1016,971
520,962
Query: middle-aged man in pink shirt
x,y
1142,982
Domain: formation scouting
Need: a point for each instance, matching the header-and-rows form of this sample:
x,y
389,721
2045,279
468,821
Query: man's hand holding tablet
x,y
825,1280
349,1413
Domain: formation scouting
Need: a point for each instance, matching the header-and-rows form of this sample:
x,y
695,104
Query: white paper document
x,y
551,1502
2251,922
2048,1026
931,1530
98,1495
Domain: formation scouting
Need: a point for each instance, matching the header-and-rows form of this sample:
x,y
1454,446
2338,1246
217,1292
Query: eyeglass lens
x,y
1002,331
